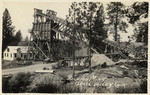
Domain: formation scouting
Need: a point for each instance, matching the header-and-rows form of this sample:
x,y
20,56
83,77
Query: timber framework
x,y
46,27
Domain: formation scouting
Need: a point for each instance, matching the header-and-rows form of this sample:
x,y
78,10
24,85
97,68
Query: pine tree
x,y
8,29
16,39
116,11
136,12
18,36
85,16
24,42
88,20
99,32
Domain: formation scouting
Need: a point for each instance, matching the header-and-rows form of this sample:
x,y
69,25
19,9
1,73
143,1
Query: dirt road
x,y
40,66
30,68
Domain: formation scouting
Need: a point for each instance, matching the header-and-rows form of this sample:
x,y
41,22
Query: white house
x,y
14,52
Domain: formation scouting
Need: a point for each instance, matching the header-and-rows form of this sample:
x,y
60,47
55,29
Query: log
x,y
45,71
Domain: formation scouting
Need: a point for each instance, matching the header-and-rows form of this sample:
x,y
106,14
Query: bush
x,y
28,63
49,83
125,72
70,88
15,64
39,83
19,82
143,86
140,63
54,88
45,88
104,65
5,86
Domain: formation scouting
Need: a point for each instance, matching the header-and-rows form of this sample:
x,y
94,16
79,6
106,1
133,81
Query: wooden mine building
x,y
46,27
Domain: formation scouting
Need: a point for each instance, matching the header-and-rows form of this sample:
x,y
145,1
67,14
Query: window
x,y
19,49
25,56
30,54
7,54
15,55
21,55
10,55
7,49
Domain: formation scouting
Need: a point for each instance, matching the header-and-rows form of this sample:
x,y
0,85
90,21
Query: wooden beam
x,y
40,50
45,71
95,50
105,49
48,46
112,54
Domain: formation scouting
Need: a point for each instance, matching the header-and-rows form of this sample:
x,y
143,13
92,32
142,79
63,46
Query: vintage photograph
x,y
75,47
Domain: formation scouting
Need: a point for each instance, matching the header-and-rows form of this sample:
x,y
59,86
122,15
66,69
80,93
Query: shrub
x,y
70,88
140,63
125,72
143,86
19,82
27,63
49,83
39,83
45,88
54,88
5,86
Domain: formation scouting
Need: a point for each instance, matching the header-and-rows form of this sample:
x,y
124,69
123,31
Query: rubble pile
x,y
99,59
112,79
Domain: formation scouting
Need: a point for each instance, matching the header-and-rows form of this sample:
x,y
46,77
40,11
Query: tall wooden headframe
x,y
46,27
42,34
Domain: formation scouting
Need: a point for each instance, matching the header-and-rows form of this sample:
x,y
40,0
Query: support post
x,y
105,49
111,49
40,49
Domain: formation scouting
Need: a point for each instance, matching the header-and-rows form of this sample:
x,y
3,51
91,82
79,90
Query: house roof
x,y
13,49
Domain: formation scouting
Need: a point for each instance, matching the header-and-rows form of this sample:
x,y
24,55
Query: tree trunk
x,y
116,23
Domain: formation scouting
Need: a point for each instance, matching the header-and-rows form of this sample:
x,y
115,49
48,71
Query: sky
x,y
22,14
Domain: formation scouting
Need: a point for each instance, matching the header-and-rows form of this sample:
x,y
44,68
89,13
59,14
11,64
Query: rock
x,y
136,73
124,67
69,77
90,90
99,59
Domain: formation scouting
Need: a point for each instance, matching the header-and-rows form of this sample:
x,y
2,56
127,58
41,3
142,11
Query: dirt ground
x,y
121,77
16,64
30,68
